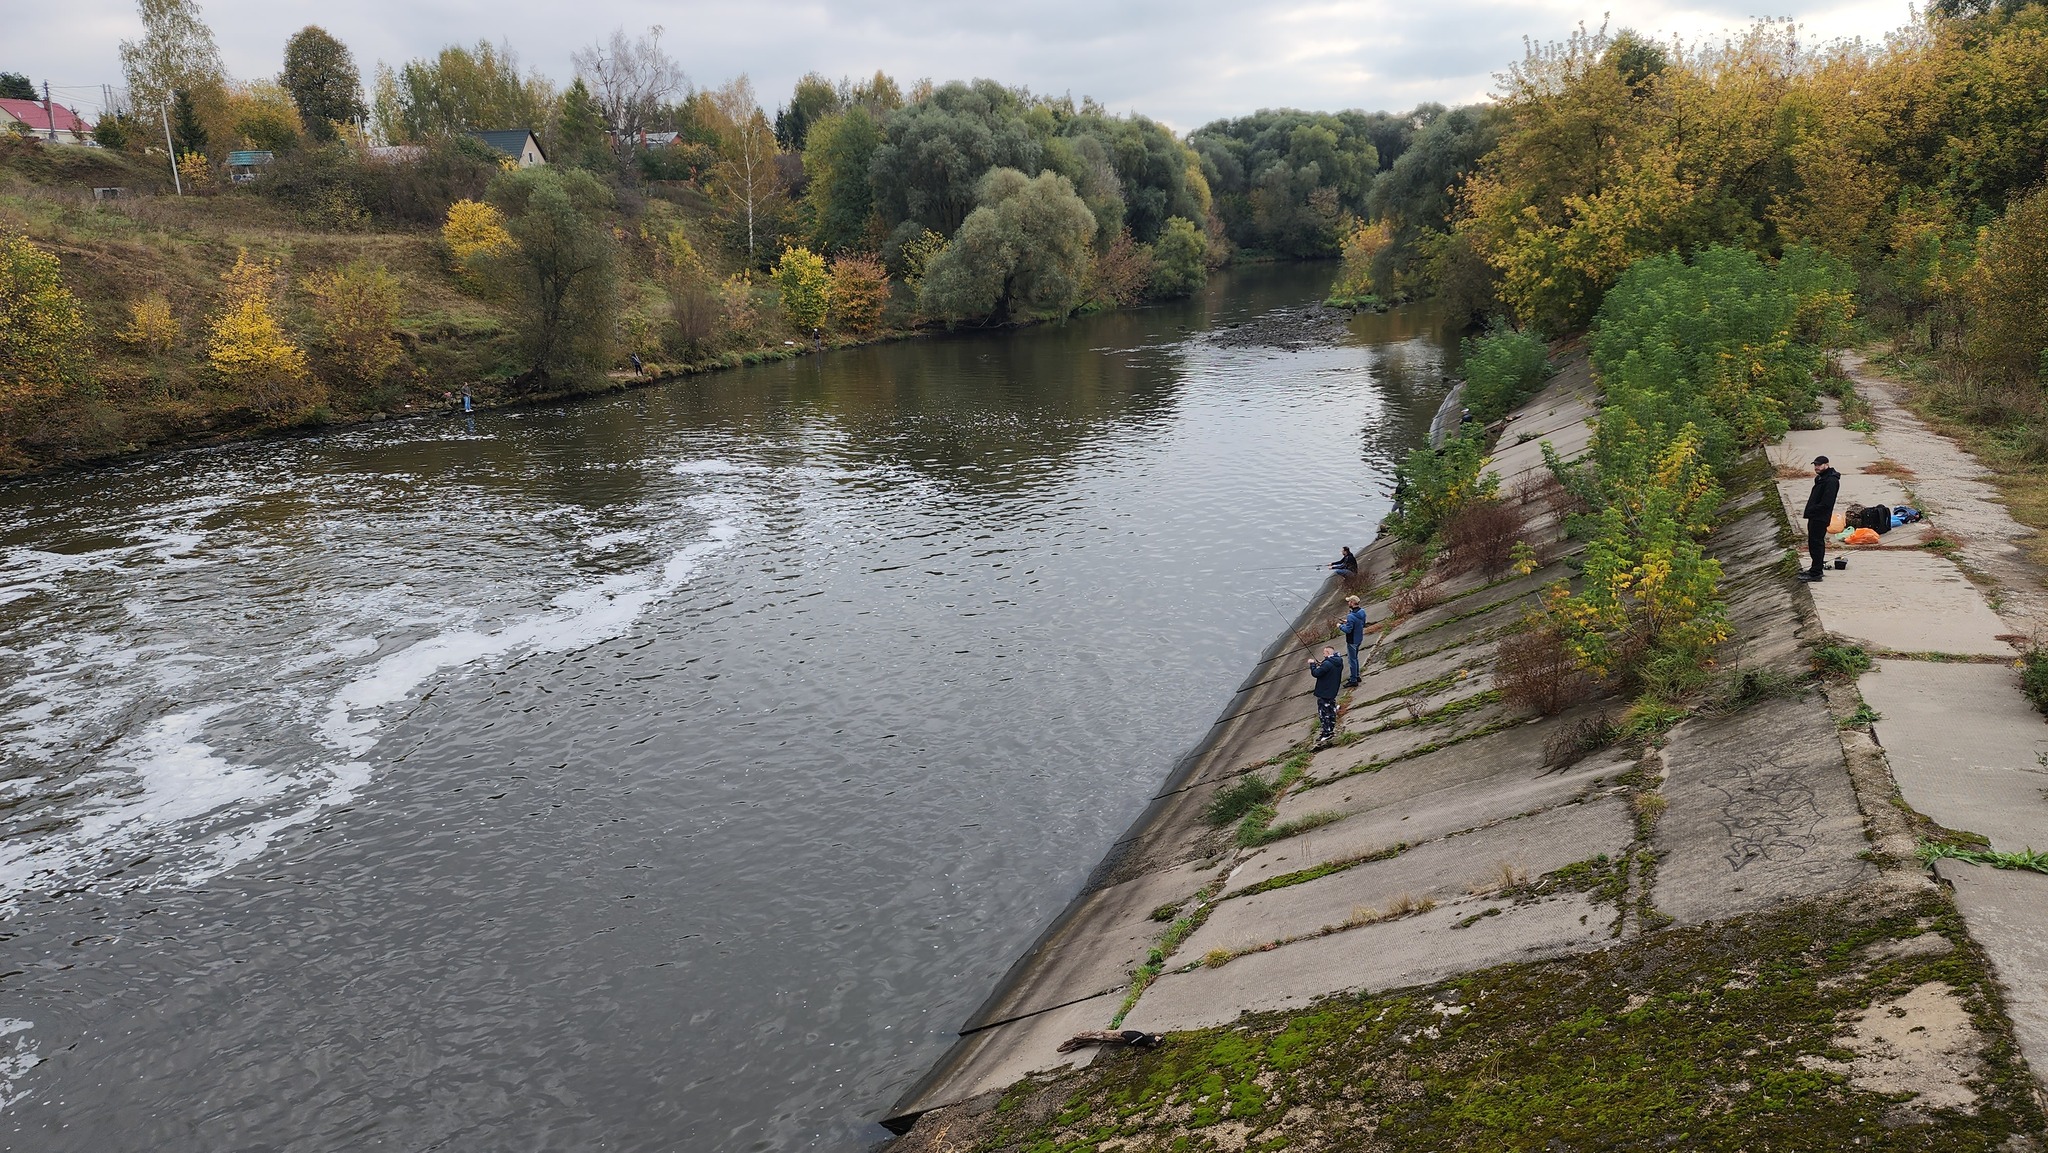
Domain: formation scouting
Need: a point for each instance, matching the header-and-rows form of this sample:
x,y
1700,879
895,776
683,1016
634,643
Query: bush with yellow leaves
x,y
151,327
358,312
249,350
474,232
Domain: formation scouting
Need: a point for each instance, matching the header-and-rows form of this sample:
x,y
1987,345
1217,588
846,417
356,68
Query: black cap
x,y
1820,460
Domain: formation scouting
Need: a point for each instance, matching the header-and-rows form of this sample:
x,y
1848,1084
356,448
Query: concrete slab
x,y
1441,871
994,1058
1418,819
1909,602
1093,948
1965,747
2007,914
1513,457
1494,761
1847,451
1414,950
1760,811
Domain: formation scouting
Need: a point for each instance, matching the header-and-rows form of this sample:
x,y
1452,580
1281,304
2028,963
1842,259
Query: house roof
x,y
32,113
249,159
510,141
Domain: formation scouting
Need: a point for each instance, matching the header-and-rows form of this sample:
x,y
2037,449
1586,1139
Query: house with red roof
x,y
38,118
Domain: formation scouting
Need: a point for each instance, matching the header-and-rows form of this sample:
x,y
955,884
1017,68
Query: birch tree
x,y
746,173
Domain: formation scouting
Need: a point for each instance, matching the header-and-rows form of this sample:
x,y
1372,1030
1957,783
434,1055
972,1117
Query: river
x,y
672,771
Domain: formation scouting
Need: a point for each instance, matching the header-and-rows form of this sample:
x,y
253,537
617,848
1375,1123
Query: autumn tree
x,y
151,327
860,293
320,74
263,116
475,233
176,52
460,90
42,334
804,288
249,350
358,311
746,177
2007,291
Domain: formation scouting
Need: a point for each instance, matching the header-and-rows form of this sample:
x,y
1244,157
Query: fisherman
x,y
1354,636
639,369
466,405
1820,509
1346,565
1328,672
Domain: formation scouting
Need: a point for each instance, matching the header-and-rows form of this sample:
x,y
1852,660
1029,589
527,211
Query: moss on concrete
x,y
1717,1037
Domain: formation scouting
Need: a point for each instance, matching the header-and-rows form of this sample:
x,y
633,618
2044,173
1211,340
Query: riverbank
x,y
1467,924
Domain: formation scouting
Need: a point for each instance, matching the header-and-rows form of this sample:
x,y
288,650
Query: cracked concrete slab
x,y
1760,811
1484,860
1413,950
1909,602
1415,819
1094,948
2007,912
1965,747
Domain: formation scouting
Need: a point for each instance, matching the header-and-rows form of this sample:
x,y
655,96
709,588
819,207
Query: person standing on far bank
x,y
1820,509
1329,673
1354,636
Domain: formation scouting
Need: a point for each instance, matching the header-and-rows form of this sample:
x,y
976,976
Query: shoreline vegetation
x,y
222,259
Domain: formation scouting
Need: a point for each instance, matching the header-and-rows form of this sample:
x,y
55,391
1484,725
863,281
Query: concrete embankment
x,y
1451,830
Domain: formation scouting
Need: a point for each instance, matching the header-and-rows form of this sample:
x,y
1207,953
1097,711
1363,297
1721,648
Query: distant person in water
x,y
466,406
1329,675
1354,636
1346,565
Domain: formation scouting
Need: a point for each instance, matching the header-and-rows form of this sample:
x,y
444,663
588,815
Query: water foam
x,y
17,1057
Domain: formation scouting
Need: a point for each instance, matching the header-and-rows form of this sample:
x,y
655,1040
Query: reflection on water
x,y
669,772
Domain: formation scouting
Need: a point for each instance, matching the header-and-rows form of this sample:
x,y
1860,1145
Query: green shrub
x,y
1237,800
1502,369
1844,661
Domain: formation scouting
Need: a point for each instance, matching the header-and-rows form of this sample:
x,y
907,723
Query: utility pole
x,y
172,149
50,110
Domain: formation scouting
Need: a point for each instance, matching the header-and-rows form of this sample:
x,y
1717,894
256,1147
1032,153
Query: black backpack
x,y
1877,518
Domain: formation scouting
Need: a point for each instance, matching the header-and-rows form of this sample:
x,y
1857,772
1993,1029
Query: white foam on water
x,y
574,620
605,542
171,777
713,466
17,1057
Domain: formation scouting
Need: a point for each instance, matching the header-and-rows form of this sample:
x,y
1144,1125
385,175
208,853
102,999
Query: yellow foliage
x,y
1362,245
474,231
249,350
194,170
358,311
42,334
151,326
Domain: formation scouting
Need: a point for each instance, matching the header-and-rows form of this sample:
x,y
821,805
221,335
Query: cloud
x,y
1184,63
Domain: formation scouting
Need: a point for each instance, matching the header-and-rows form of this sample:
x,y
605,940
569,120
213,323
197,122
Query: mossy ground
x,y
1700,1038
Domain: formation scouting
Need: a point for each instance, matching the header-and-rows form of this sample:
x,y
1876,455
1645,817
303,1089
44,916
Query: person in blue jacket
x,y
1329,675
1354,636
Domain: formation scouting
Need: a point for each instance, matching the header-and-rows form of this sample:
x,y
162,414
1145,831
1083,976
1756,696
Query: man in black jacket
x,y
1329,675
1820,508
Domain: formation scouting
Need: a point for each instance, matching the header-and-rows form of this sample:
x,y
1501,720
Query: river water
x,y
671,771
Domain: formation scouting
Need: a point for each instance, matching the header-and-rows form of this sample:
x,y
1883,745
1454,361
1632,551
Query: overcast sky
x,y
1185,62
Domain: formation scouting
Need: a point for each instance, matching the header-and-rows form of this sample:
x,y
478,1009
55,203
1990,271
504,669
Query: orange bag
x,y
1839,523
1863,536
